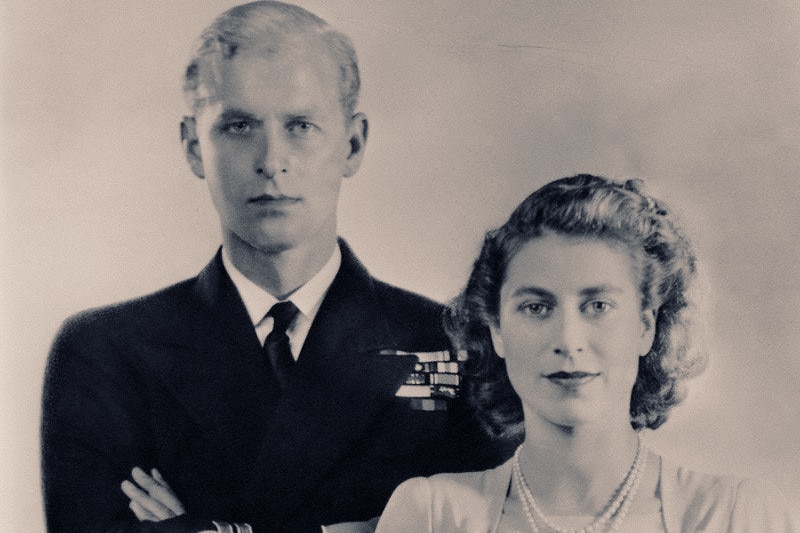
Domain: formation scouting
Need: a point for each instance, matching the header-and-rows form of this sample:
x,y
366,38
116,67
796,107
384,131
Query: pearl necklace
x,y
614,512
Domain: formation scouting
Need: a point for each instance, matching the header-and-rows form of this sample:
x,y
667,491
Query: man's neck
x,y
279,272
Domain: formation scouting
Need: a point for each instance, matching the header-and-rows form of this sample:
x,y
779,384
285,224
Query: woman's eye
x,y
536,309
597,307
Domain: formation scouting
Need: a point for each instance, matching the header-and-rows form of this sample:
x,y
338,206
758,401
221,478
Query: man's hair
x,y
584,206
263,27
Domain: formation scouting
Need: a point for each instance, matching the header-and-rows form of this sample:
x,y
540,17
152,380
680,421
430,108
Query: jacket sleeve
x,y
94,430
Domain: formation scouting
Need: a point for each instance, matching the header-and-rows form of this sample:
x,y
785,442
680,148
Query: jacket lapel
x,y
210,359
215,366
340,384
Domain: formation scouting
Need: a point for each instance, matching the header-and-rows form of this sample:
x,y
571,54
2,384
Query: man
x,y
323,421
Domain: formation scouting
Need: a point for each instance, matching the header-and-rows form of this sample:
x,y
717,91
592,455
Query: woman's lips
x,y
571,379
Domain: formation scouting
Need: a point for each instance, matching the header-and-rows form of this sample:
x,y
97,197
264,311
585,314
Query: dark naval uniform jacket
x,y
177,381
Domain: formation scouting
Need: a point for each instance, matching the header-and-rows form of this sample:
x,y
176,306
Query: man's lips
x,y
273,200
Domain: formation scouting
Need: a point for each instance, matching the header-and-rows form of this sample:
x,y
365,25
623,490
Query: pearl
x,y
613,514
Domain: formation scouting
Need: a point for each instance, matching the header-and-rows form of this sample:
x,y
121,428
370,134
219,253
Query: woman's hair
x,y
594,207
265,26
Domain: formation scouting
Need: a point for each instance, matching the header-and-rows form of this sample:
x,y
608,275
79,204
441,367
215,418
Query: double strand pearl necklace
x,y
614,512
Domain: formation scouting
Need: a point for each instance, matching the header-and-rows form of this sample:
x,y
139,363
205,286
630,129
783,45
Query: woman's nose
x,y
569,336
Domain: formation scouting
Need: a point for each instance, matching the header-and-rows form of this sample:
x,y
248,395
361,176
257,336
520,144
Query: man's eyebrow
x,y
301,113
236,114
292,117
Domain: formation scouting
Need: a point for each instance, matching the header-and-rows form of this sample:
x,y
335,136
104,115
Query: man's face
x,y
273,144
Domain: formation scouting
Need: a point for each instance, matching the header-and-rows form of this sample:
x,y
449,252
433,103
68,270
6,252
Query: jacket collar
x,y
351,313
340,385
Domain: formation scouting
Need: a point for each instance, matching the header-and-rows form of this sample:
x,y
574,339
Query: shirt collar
x,y
308,297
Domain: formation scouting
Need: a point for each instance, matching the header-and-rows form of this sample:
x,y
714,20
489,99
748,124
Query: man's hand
x,y
151,497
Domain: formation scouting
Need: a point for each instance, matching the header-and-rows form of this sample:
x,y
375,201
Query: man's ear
x,y
357,139
497,341
191,146
648,331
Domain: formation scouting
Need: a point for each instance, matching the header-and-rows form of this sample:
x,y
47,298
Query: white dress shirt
x,y
307,298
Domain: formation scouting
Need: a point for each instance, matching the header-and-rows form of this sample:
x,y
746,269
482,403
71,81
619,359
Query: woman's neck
x,y
577,470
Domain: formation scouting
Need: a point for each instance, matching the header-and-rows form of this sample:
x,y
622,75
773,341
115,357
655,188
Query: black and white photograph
x,y
370,266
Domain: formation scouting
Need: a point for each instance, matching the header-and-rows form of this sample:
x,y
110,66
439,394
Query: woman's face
x,y
571,330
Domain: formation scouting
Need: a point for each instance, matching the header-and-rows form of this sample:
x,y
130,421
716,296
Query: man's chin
x,y
274,246
261,243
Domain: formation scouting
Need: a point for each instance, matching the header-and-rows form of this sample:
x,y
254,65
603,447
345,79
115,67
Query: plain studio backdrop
x,y
472,104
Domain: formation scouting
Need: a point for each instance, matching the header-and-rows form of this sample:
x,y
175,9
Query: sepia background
x,y
473,104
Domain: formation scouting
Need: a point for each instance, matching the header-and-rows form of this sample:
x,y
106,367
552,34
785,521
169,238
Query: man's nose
x,y
569,337
270,157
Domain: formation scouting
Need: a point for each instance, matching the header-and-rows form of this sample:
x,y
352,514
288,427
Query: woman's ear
x,y
191,146
497,341
648,331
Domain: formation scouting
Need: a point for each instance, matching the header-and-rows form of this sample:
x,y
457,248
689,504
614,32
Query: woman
x,y
575,317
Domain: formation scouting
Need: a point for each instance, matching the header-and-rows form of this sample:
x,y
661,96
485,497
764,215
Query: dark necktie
x,y
276,345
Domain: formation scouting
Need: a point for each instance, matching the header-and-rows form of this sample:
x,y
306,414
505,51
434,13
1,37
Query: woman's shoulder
x,y
484,482
473,500
457,486
693,483
748,504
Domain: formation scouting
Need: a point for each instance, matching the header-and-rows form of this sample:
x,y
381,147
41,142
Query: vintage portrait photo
x,y
364,266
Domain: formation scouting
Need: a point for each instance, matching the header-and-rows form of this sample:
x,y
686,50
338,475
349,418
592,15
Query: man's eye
x,y
239,127
300,127
536,309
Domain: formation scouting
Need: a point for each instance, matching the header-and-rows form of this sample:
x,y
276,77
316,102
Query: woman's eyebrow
x,y
591,292
533,291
